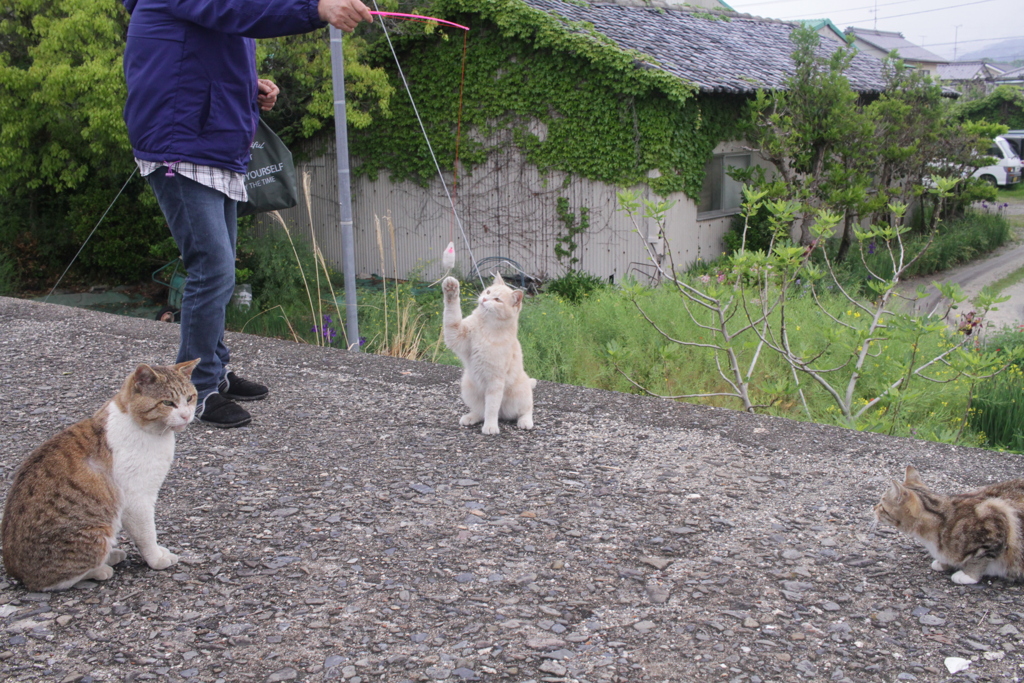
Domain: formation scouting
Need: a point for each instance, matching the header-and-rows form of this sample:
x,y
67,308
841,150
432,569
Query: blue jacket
x,y
190,66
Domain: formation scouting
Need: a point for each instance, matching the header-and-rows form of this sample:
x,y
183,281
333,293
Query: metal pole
x,y
348,250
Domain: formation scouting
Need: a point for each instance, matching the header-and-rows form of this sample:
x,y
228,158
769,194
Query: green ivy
x,y
1005,105
608,116
565,245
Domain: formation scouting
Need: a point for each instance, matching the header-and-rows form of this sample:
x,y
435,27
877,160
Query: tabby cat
x,y
980,533
72,494
494,384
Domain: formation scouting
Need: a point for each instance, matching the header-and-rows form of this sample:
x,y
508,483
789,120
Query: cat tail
x,y
533,382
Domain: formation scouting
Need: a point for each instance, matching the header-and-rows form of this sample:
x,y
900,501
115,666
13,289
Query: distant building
x,y
826,29
880,43
700,4
1011,77
974,78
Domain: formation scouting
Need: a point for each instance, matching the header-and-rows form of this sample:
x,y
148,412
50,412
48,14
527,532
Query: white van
x,y
1007,169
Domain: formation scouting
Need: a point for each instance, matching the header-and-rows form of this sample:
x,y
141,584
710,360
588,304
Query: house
x,y
701,4
880,43
970,77
1011,77
640,95
826,29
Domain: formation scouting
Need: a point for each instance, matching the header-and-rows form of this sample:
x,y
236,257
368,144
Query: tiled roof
x,y
966,71
1014,75
730,53
887,41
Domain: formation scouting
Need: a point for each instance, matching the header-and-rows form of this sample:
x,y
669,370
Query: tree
x,y
913,139
805,128
64,151
855,156
63,147
1004,105
301,67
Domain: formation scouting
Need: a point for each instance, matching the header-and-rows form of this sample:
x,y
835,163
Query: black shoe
x,y
220,412
238,389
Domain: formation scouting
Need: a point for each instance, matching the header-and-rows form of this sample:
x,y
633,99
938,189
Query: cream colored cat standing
x,y
978,533
494,384
71,496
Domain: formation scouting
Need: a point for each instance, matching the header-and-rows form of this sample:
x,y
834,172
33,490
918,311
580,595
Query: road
x,y
974,276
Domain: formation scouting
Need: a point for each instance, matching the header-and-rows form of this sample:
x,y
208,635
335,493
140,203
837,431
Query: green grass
x,y
997,413
571,344
1008,280
9,282
601,339
1015,193
954,243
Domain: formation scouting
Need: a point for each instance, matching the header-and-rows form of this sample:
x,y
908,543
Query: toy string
x,y
418,16
423,129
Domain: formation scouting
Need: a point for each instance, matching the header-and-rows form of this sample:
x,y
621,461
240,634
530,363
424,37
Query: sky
x,y
942,26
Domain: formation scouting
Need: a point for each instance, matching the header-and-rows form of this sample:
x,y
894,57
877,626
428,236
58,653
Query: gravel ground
x,y
356,533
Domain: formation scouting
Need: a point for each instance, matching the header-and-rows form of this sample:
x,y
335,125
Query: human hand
x,y
268,92
344,14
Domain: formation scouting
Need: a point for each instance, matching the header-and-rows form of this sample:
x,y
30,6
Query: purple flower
x,y
871,247
362,341
328,331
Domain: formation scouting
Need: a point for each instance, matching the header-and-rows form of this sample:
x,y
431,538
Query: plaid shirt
x,y
220,179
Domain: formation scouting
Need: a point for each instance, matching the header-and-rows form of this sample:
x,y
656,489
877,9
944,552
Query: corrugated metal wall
x,y
507,208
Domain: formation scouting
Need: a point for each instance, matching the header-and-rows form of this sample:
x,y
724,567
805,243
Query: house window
x,y
720,193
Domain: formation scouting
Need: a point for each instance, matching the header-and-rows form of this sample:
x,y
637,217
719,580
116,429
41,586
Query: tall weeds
x,y
403,338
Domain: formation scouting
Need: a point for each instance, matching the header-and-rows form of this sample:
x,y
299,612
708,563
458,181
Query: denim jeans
x,y
204,225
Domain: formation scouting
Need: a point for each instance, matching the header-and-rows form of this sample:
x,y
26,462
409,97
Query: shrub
x,y
759,232
8,275
998,410
275,276
575,286
956,242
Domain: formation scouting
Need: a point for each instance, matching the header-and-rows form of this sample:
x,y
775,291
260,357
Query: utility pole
x,y
956,32
348,249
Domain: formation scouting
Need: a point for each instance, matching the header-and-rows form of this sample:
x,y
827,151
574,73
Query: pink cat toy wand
x,y
420,17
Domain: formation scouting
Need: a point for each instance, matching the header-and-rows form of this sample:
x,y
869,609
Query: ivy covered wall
x,y
603,115
551,118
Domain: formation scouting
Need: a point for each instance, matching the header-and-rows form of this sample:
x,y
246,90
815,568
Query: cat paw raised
x,y
494,384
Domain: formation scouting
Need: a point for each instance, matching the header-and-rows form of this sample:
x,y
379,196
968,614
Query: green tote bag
x,y
270,178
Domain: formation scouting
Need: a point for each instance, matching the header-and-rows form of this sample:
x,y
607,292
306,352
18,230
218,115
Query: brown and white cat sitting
x,y
980,533
494,384
72,494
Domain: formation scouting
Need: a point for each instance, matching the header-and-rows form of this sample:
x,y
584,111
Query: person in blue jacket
x,y
192,109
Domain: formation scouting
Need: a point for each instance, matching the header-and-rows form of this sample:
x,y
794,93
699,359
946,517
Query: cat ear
x,y
905,498
912,478
517,297
187,367
144,375
498,280
912,502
